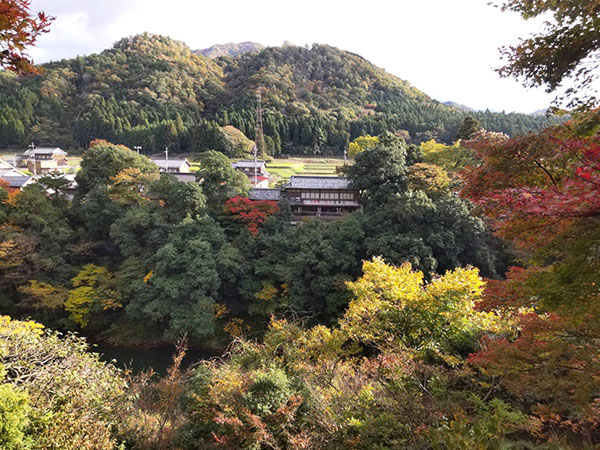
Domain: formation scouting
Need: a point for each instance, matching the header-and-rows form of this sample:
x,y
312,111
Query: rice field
x,y
283,169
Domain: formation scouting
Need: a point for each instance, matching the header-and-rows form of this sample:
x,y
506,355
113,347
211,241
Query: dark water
x,y
139,359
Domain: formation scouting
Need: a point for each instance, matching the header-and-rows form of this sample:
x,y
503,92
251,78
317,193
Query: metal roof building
x,y
316,182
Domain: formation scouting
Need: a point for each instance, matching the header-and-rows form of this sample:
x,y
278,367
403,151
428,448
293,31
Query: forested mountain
x,y
459,106
153,91
230,49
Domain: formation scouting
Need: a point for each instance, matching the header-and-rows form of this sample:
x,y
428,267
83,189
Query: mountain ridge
x,y
153,91
229,49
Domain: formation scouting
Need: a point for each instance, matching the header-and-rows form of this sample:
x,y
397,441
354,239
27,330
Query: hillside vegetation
x,y
230,49
153,91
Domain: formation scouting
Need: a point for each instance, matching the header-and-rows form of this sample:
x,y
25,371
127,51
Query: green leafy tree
x,y
469,126
183,283
219,180
56,183
14,420
178,199
380,172
103,160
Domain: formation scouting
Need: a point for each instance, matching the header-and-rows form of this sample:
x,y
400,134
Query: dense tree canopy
x,y
392,338
153,92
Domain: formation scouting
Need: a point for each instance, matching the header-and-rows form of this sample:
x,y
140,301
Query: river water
x,y
139,359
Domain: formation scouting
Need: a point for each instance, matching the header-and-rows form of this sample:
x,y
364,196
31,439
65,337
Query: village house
x,y
16,182
314,196
43,160
172,165
12,178
259,178
9,170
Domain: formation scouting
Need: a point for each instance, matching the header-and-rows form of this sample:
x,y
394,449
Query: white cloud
x,y
445,48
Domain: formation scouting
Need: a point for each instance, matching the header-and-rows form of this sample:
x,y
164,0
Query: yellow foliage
x,y
47,295
382,288
428,177
79,304
220,310
12,199
92,288
225,385
15,327
449,157
267,292
235,327
394,305
111,303
9,256
362,143
148,276
128,185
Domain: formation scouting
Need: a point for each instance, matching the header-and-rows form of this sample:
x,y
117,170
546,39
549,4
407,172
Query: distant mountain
x,y
458,106
230,49
540,112
154,92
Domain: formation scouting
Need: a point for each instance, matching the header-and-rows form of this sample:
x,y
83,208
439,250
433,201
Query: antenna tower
x,y
259,137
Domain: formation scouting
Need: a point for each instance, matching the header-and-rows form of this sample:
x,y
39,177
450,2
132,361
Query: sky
x,y
445,48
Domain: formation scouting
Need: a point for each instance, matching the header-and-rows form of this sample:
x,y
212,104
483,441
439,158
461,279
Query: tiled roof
x,y
265,194
16,182
45,151
237,164
172,163
308,182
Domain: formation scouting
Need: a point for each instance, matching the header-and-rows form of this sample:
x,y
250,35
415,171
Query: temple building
x,y
324,197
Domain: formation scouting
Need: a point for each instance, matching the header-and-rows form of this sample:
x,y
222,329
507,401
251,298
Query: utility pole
x,y
167,159
32,148
345,155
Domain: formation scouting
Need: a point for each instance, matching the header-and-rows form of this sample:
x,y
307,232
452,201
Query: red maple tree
x,y
18,30
250,212
542,191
